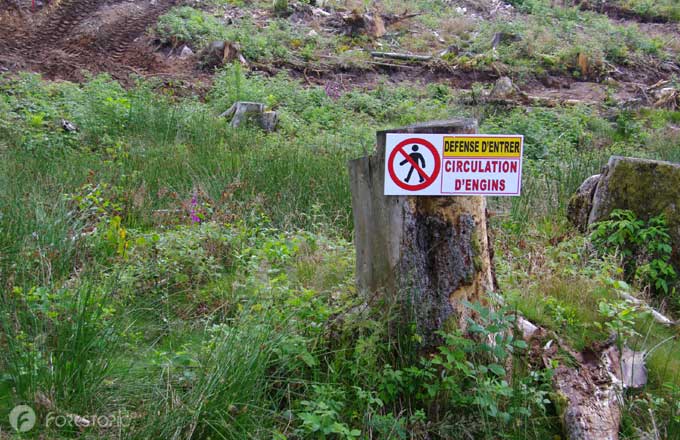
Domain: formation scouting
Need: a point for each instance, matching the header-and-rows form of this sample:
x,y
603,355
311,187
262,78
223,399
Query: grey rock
x,y
527,328
186,52
503,89
68,126
581,203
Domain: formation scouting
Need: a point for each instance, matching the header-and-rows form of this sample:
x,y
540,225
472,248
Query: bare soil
x,y
67,39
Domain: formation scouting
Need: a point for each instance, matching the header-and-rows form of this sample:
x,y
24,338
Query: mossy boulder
x,y
646,187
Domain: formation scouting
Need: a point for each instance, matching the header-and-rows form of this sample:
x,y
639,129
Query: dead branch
x,y
391,19
398,66
589,388
401,56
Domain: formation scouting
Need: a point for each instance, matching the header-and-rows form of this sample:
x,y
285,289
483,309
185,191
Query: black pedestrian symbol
x,y
416,159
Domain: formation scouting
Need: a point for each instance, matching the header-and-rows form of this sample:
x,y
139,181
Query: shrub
x,y
645,248
186,25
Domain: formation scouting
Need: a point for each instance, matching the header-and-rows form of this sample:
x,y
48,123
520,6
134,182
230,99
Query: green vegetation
x,y
655,10
197,28
197,281
544,40
188,25
556,40
645,248
158,262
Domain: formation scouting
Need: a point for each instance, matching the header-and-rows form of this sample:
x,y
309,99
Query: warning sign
x,y
453,164
420,158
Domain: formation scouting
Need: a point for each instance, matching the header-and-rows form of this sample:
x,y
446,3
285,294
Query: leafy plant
x,y
187,25
620,319
473,371
645,248
321,416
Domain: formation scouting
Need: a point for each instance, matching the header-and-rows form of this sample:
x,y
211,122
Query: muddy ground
x,y
67,39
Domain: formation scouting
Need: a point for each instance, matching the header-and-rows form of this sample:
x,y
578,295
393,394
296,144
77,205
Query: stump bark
x,y
424,254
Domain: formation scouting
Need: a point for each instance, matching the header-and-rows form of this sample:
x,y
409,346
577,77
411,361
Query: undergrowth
x,y
198,281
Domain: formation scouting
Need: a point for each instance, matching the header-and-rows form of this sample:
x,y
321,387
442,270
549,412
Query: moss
x,y
561,403
476,250
451,325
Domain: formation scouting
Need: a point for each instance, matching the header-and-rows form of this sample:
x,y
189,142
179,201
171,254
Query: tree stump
x,y
425,254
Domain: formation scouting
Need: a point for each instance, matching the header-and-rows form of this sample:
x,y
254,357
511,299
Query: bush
x,y
645,248
186,25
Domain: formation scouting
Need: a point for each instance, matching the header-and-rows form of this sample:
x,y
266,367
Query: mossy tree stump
x,y
425,254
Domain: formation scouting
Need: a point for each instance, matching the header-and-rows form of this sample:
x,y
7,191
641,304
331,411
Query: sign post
x,y
417,247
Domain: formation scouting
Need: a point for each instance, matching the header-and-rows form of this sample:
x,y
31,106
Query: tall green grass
x,y
58,347
234,327
230,393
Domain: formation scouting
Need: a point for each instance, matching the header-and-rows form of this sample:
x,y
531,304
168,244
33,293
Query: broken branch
x,y
401,56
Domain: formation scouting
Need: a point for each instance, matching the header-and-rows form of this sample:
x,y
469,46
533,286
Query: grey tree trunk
x,y
424,254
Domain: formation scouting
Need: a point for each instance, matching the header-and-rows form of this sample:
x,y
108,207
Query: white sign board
x,y
453,164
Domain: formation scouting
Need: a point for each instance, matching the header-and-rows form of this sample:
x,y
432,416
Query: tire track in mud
x,y
60,21
120,38
57,46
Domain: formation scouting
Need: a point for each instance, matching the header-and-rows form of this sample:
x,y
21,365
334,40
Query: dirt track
x,y
65,39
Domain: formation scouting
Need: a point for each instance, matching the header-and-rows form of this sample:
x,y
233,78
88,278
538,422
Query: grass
x,y
199,280
154,156
566,41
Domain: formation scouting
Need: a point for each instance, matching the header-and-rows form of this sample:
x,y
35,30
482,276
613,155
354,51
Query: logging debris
x,y
373,24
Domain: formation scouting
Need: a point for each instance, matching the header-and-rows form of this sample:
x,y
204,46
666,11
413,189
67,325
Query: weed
x,y
645,248
187,25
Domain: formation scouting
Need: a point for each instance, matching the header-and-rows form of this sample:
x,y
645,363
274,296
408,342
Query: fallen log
x,y
391,19
401,56
588,394
391,65
589,386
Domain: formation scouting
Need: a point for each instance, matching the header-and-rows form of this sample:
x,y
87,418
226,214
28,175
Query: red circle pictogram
x,y
428,179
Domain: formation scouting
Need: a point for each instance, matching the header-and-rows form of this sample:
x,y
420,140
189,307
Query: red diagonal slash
x,y
413,163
